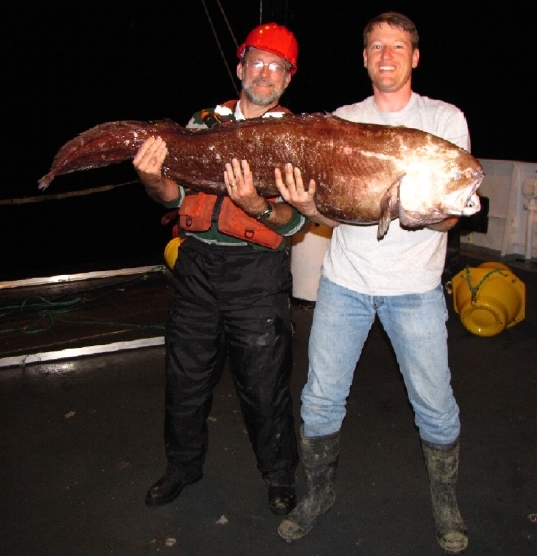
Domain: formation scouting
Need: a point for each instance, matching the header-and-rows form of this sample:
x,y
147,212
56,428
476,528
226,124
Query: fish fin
x,y
384,224
389,207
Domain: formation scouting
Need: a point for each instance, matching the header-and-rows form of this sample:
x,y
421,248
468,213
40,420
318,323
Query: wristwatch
x,y
265,215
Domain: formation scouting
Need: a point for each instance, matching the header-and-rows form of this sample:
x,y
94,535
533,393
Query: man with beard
x,y
232,285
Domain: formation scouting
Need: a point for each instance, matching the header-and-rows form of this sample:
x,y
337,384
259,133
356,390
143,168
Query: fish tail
x,y
44,182
102,145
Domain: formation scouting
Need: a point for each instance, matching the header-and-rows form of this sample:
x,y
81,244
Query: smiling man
x,y
390,55
232,285
397,279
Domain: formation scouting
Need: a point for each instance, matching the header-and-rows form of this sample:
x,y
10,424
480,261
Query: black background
x,y
71,65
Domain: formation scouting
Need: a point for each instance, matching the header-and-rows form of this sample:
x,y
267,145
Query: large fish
x,y
365,173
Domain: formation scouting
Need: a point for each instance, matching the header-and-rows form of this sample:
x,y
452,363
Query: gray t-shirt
x,y
404,261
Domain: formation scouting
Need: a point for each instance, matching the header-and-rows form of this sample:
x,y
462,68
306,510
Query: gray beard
x,y
262,100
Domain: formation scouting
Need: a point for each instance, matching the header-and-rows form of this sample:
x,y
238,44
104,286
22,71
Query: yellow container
x,y
488,298
171,251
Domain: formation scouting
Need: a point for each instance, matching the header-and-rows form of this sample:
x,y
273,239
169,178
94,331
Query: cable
x,y
220,47
227,23
40,198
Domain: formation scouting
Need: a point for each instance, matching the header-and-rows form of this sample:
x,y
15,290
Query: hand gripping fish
x,y
365,173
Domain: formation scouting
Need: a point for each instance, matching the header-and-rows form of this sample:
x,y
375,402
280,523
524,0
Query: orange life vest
x,y
199,210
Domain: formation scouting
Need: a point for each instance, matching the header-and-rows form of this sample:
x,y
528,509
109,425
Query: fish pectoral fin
x,y
389,207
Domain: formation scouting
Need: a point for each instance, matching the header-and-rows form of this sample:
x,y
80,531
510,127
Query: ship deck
x,y
81,407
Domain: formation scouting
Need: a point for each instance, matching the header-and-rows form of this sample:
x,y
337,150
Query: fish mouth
x,y
466,201
472,204
463,203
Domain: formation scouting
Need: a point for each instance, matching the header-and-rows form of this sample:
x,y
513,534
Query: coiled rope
x,y
475,289
30,315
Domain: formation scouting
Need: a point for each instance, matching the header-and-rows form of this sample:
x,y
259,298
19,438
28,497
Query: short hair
x,y
397,20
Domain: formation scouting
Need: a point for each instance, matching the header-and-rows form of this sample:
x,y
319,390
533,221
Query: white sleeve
x,y
452,126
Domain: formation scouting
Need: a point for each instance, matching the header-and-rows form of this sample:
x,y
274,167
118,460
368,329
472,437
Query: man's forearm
x,y
445,225
318,218
280,216
163,190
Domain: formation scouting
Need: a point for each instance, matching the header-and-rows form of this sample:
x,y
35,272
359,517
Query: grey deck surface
x,y
81,441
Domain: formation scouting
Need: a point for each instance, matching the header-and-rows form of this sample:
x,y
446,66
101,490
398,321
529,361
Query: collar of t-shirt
x,y
268,114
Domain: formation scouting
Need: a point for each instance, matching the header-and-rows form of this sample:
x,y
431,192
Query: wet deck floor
x,y
81,441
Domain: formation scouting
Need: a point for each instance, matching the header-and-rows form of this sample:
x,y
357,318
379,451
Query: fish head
x,y
440,183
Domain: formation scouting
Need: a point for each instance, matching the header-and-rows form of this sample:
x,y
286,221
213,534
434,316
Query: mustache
x,y
262,81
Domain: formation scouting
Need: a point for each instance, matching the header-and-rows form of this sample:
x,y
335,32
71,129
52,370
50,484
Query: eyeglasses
x,y
259,65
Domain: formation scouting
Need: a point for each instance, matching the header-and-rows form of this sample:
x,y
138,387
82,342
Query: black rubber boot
x,y
169,487
442,463
282,498
320,458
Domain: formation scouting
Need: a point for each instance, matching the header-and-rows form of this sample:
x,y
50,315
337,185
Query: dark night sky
x,y
73,65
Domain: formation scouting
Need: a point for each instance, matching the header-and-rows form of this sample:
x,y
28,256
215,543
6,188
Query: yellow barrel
x,y
171,251
488,298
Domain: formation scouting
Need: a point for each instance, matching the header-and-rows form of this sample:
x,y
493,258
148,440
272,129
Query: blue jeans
x,y
416,326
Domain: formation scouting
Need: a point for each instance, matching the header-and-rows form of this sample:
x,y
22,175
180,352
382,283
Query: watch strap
x,y
265,215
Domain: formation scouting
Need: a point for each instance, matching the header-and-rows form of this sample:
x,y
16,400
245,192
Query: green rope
x,y
39,309
474,289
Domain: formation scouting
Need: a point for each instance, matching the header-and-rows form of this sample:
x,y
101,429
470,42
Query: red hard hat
x,y
273,38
